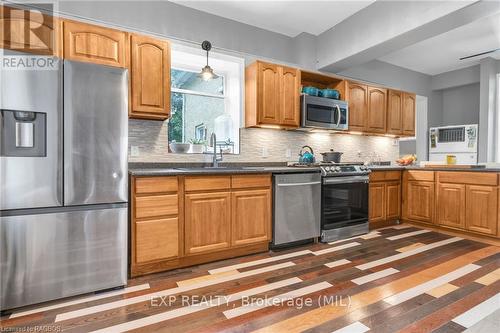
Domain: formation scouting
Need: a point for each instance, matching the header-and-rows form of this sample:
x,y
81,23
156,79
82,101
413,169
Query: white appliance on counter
x,y
460,141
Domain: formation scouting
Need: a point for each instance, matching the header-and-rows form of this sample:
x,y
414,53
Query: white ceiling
x,y
290,17
441,53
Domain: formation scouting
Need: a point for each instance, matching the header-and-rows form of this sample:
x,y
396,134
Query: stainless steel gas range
x,y
344,200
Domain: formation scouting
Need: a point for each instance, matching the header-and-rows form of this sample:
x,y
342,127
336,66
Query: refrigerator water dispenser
x,y
23,134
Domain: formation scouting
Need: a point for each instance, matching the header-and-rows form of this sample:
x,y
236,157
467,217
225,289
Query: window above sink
x,y
200,107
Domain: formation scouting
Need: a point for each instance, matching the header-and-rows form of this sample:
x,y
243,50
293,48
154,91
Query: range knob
x,y
327,169
337,169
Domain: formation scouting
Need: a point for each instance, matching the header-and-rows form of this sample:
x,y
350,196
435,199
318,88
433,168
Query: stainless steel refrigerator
x,y
63,181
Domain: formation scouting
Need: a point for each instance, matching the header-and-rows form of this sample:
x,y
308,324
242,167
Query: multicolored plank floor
x,y
396,279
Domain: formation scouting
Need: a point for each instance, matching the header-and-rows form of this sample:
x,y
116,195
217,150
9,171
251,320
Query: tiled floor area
x,y
397,279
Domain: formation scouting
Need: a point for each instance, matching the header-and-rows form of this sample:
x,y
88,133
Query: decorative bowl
x,y
179,148
311,91
329,93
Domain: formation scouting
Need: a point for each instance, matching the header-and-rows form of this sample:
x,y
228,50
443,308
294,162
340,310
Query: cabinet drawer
x,y
427,176
155,185
207,183
156,239
158,205
249,181
473,178
377,176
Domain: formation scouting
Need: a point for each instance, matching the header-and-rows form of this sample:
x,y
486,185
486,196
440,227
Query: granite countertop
x,y
172,169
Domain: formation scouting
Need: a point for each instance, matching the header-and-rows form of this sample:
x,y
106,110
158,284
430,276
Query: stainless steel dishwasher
x,y
297,207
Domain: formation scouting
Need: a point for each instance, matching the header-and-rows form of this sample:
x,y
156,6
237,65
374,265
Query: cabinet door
x,y
393,200
358,107
409,104
394,112
90,43
377,109
377,202
207,222
420,203
482,206
290,97
150,77
450,207
156,239
268,94
251,217
28,31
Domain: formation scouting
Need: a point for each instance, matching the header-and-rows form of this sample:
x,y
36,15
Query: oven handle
x,y
346,180
298,184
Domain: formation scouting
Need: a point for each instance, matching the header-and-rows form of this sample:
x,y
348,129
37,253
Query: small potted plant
x,y
197,145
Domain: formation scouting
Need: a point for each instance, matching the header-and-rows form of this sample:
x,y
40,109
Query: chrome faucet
x,y
215,159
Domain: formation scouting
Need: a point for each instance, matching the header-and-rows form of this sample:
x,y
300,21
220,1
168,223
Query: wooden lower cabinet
x,y
393,200
376,202
251,216
420,201
207,222
482,209
157,239
179,221
384,196
450,205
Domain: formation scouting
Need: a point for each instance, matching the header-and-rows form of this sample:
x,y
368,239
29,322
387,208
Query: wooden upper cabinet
x,y
207,222
272,95
150,77
268,90
29,31
450,207
408,120
251,217
377,109
394,112
290,97
482,209
90,43
357,96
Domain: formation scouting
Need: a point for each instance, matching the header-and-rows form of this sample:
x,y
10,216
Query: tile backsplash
x,y
151,138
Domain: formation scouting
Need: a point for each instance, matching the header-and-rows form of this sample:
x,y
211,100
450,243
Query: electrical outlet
x,y
134,151
265,152
288,153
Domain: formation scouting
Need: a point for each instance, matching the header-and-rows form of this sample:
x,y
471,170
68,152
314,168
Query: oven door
x,y
344,202
319,112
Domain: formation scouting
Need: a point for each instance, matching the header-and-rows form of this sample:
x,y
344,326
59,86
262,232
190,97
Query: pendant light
x,y
207,73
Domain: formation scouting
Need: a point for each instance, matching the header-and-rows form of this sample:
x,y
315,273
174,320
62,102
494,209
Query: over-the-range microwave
x,y
324,113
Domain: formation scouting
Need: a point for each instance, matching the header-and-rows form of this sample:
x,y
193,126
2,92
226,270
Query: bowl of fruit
x,y
406,160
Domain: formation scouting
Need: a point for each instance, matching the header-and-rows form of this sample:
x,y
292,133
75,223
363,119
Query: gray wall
x,y
461,105
400,78
173,21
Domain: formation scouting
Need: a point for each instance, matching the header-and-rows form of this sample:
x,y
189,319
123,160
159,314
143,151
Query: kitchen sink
x,y
222,168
